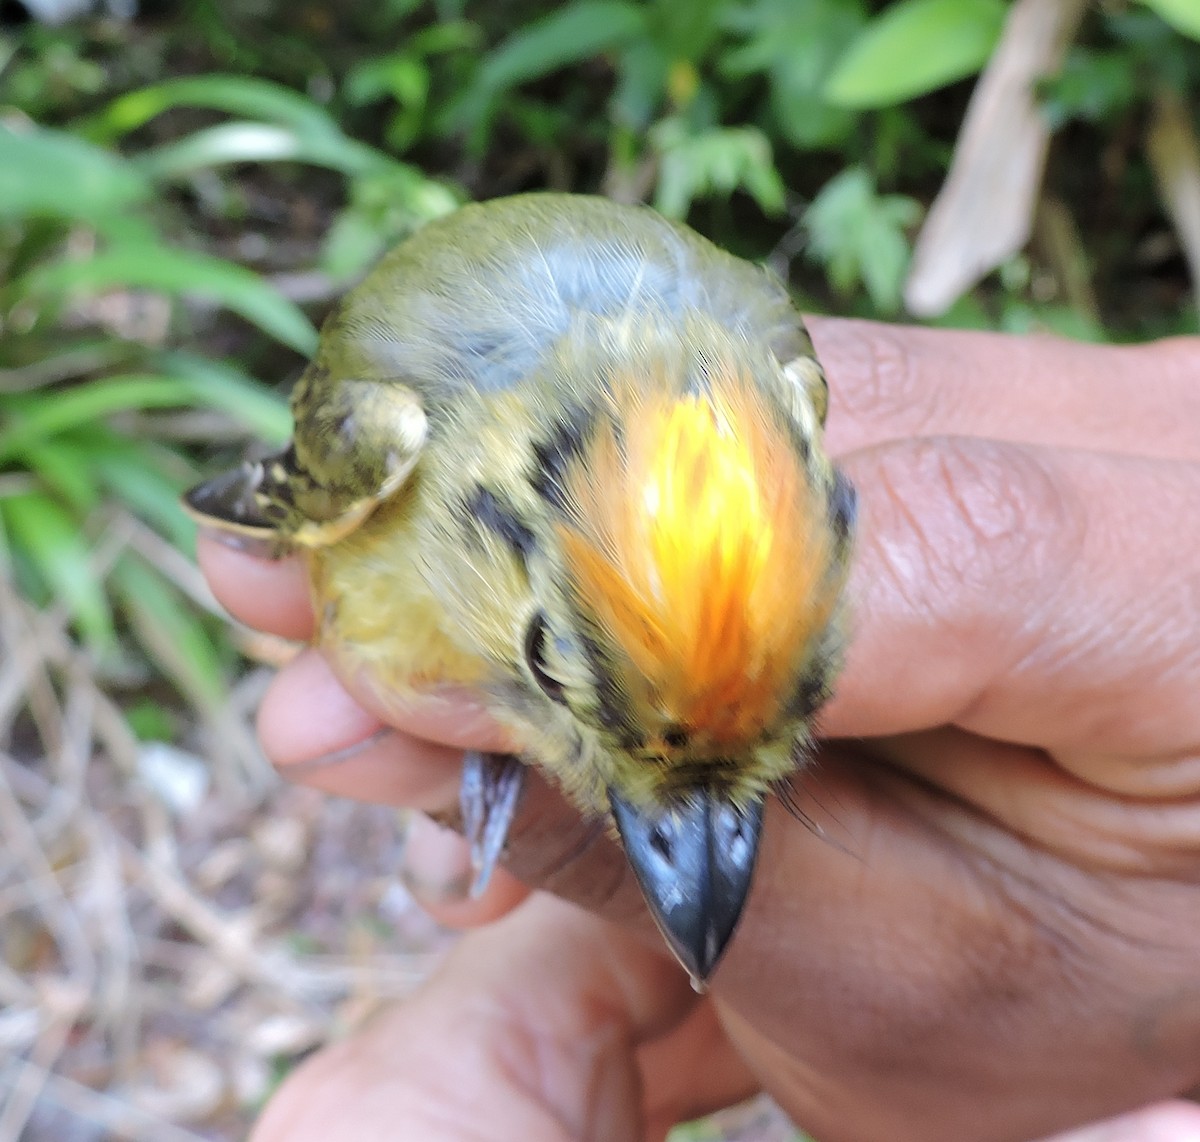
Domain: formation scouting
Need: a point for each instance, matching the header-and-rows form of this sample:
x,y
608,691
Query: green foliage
x,y
794,47
140,262
913,47
1182,15
47,174
43,534
82,225
720,160
1093,86
860,237
406,78
150,721
570,35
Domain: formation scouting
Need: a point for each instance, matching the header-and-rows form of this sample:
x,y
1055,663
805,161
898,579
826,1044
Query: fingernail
x,y
259,546
436,866
300,769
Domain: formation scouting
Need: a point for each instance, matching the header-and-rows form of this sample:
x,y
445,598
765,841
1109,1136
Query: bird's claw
x,y
491,788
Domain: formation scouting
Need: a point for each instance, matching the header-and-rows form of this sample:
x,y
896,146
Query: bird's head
x,y
685,584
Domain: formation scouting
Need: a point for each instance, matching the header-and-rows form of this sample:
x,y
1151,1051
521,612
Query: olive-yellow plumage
x,y
569,454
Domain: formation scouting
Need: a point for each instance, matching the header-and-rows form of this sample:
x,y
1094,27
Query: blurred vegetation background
x,y
184,190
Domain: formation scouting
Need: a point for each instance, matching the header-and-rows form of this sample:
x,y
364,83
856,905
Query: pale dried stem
x,y
984,211
1174,154
119,1118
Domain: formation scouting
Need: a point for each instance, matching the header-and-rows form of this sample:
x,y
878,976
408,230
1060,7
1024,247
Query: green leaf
x,y
1020,317
1182,15
85,466
49,174
152,721
643,72
52,540
718,161
384,208
149,487
65,467
257,143
181,272
569,35
913,47
1090,85
232,94
572,34
262,410
187,380
37,417
859,236
686,29
796,46
401,76
169,632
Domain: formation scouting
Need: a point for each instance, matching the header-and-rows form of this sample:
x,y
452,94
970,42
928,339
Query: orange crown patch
x,y
700,550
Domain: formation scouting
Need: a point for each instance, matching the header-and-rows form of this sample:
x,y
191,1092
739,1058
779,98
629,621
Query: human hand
x,y
989,931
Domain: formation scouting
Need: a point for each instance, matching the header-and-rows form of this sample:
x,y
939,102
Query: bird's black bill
x,y
694,862
491,787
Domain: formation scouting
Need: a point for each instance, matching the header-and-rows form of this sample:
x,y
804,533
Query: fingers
x,y
888,382
314,731
1036,595
317,734
272,595
1071,814
529,1030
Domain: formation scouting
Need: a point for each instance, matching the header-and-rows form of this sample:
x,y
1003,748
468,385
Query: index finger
x,y
890,382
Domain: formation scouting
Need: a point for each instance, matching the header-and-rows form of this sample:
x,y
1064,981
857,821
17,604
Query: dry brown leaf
x,y
984,211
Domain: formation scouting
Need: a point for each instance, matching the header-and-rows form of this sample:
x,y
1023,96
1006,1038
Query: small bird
x,y
569,453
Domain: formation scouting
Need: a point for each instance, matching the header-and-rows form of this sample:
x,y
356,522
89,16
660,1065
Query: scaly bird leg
x,y
491,788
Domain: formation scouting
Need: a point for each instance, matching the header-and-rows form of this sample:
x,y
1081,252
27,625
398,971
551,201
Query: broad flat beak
x,y
694,862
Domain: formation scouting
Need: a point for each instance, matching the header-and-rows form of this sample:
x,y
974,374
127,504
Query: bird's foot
x,y
491,788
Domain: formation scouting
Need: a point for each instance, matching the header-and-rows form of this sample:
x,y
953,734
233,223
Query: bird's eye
x,y
535,652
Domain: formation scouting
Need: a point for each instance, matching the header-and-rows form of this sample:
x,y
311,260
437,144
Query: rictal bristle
x,y
702,553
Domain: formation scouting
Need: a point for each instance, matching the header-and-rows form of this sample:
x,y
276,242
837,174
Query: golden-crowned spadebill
x,y
570,454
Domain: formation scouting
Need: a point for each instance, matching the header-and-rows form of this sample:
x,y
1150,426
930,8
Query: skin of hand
x,y
987,928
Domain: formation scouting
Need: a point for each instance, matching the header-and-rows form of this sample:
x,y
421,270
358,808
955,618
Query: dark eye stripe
x,y
492,513
553,456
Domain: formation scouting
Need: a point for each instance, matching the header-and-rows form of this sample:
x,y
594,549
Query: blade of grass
x,y
180,273
37,417
169,632
50,536
233,94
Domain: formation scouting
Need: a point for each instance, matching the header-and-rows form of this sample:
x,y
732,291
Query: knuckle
x,y
880,377
957,519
